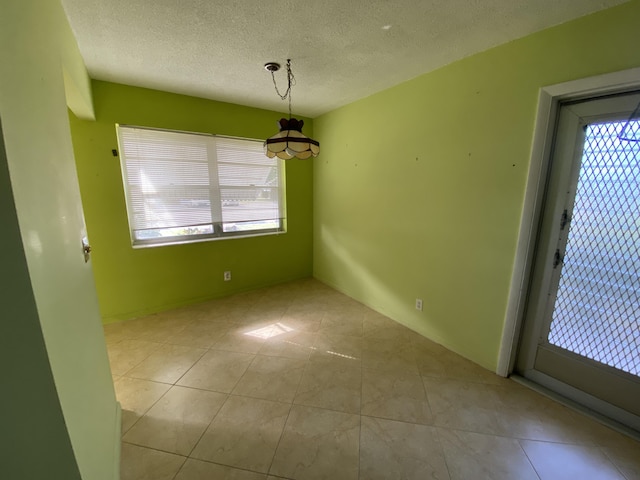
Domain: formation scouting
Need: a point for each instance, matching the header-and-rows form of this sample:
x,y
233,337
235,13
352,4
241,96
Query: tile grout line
x,y
613,461
204,431
137,364
148,409
308,361
424,387
535,470
436,430
308,364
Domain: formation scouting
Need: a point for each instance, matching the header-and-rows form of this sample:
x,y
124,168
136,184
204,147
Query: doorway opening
x,y
573,324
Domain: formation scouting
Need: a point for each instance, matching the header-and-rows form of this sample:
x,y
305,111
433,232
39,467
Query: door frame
x,y
548,107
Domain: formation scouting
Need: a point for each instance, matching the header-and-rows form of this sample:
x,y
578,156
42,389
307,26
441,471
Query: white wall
x,y
52,293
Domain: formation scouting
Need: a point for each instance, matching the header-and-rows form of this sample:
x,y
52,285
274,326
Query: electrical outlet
x,y
227,276
419,304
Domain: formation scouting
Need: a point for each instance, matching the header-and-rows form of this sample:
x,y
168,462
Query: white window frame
x,y
184,187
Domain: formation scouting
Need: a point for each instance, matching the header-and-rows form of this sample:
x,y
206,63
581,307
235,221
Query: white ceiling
x,y
341,50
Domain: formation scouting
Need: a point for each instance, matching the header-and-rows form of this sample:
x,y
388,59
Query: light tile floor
x,y
301,382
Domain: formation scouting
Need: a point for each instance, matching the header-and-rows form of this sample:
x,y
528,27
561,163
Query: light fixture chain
x,y
286,94
291,81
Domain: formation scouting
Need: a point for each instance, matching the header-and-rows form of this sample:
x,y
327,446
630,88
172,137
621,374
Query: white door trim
x,y
548,101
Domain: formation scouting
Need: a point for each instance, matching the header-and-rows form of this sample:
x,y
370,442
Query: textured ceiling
x,y
341,50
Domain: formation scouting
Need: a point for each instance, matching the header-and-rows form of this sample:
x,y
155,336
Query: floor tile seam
x,y
426,396
184,462
327,364
124,432
386,370
279,356
136,338
479,432
231,351
275,451
148,409
559,442
165,340
208,329
204,351
202,389
395,419
204,431
308,363
444,456
237,395
253,397
457,379
375,417
307,405
614,462
112,343
311,364
297,391
259,398
199,389
283,356
243,373
233,467
146,380
190,368
535,470
155,449
391,371
185,345
326,361
512,437
140,362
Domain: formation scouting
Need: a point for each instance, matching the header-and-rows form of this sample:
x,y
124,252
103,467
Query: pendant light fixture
x,y
289,142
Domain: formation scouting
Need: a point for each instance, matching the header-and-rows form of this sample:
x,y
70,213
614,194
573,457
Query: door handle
x,y
86,249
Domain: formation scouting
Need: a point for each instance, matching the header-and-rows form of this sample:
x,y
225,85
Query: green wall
x,y
133,282
419,189
60,417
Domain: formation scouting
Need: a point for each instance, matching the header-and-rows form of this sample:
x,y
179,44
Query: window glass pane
x,y
181,185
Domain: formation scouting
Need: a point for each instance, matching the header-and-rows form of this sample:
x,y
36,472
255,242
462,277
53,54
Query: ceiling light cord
x,y
291,81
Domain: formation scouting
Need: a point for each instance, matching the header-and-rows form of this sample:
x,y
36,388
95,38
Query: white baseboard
x,y
557,395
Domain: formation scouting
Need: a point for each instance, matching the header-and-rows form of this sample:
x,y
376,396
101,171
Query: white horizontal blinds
x,y
181,185
249,183
167,179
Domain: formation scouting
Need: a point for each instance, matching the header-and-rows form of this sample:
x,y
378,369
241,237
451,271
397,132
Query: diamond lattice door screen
x,y
597,308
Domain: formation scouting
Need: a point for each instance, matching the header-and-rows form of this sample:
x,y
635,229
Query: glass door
x,y
582,326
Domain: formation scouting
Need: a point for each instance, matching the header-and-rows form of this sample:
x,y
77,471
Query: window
x,y
183,187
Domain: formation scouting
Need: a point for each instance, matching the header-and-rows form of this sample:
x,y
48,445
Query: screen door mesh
x,y
597,309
